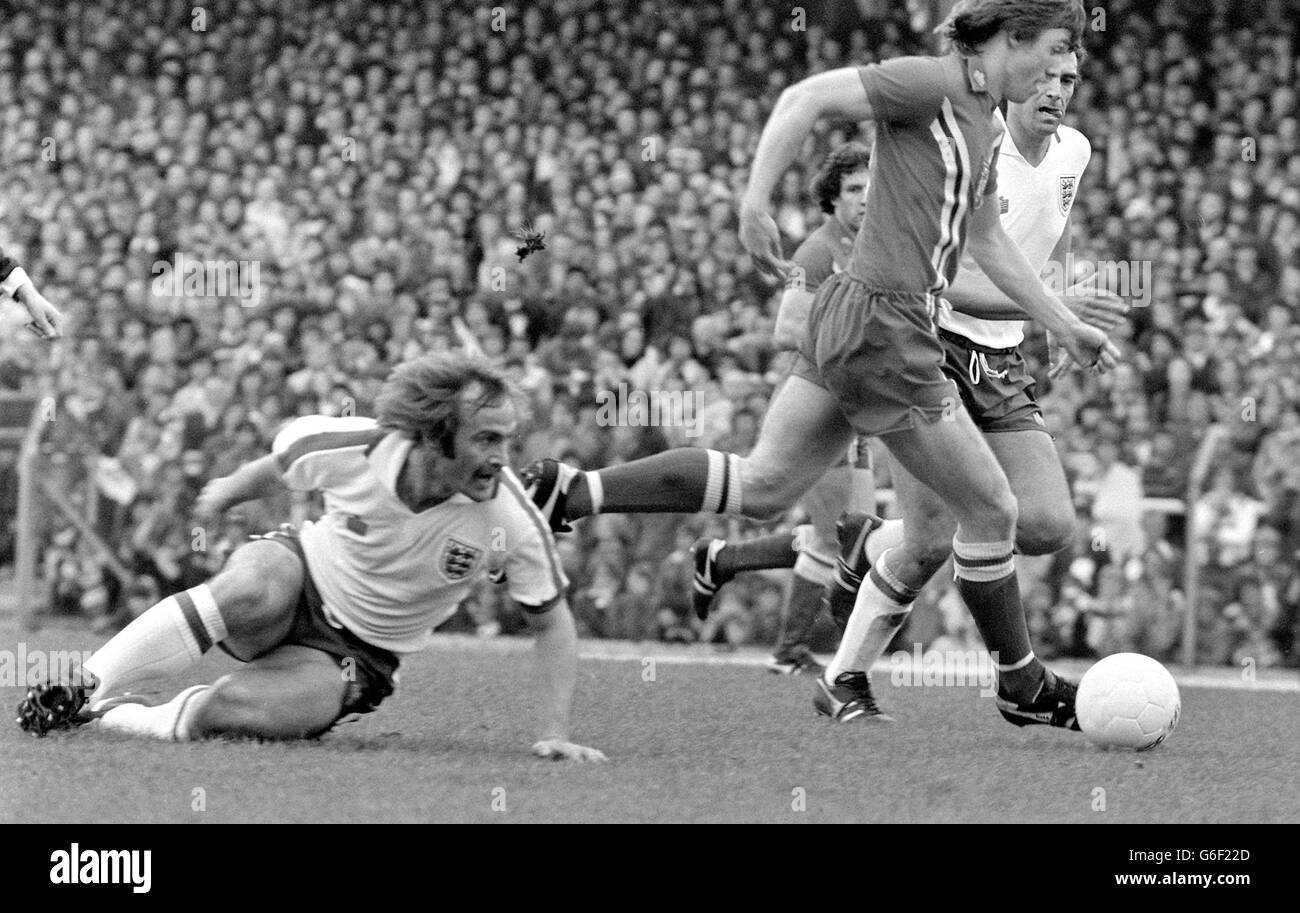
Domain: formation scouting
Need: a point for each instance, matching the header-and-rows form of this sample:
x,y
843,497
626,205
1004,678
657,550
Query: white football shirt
x,y
1035,204
389,574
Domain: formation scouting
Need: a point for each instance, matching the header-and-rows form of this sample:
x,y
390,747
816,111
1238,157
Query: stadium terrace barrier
x,y
1214,437
32,480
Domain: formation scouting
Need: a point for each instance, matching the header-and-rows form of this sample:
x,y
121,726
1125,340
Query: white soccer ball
x,y
1128,701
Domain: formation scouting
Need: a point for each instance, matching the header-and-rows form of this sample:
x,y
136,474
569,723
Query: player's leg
x,y
1046,524
884,600
847,486
718,560
999,396
248,606
802,435
953,459
290,692
1046,516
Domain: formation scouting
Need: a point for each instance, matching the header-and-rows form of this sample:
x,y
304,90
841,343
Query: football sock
x,y
842,590
986,579
759,554
801,614
170,721
165,640
881,608
685,480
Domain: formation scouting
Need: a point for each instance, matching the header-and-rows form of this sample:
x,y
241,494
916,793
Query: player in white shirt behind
x,y
419,505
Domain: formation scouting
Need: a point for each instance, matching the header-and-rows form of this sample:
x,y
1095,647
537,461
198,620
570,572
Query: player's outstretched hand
x,y
759,235
1101,309
1089,348
47,322
213,499
560,750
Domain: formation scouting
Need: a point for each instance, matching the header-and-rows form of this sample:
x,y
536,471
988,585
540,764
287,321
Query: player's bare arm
x,y
792,319
974,294
259,479
46,321
1008,269
557,662
835,93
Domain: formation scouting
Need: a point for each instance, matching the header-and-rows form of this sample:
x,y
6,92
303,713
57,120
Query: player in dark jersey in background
x,y
840,188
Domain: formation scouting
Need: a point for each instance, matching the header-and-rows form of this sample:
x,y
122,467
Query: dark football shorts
x,y
370,671
994,384
877,352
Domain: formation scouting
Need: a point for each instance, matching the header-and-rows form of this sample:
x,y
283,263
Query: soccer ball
x,y
1128,701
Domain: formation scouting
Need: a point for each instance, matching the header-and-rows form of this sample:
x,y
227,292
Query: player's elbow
x,y
803,98
785,340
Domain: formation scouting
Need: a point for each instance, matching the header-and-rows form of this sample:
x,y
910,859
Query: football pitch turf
x,y
691,737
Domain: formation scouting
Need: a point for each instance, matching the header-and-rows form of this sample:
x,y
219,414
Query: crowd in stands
x,y
368,167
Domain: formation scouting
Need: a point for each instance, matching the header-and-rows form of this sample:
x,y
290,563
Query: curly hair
x,y
826,184
973,22
422,398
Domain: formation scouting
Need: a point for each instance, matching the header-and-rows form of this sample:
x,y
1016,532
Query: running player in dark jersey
x,y
1041,165
872,363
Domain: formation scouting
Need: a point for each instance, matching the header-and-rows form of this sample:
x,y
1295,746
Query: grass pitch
x,y
718,741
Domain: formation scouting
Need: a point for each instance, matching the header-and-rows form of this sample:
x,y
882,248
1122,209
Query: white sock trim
x,y
733,484
812,570
713,484
185,713
182,626
595,491
209,613
1018,665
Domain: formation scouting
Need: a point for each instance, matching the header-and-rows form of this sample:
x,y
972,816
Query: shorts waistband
x,y
959,340
882,290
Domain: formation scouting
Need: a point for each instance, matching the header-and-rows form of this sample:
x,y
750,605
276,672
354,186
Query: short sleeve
x,y
534,577
905,89
312,450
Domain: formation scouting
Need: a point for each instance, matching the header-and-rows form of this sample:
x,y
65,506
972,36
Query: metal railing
x,y
1214,437
33,482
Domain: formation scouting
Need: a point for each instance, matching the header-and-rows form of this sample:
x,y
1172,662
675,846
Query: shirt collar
x,y
388,457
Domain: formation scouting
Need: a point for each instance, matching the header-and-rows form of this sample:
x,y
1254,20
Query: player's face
x,y
851,204
482,449
1027,63
1043,111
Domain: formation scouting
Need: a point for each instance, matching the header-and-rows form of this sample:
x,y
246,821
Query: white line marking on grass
x,y
1279,681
